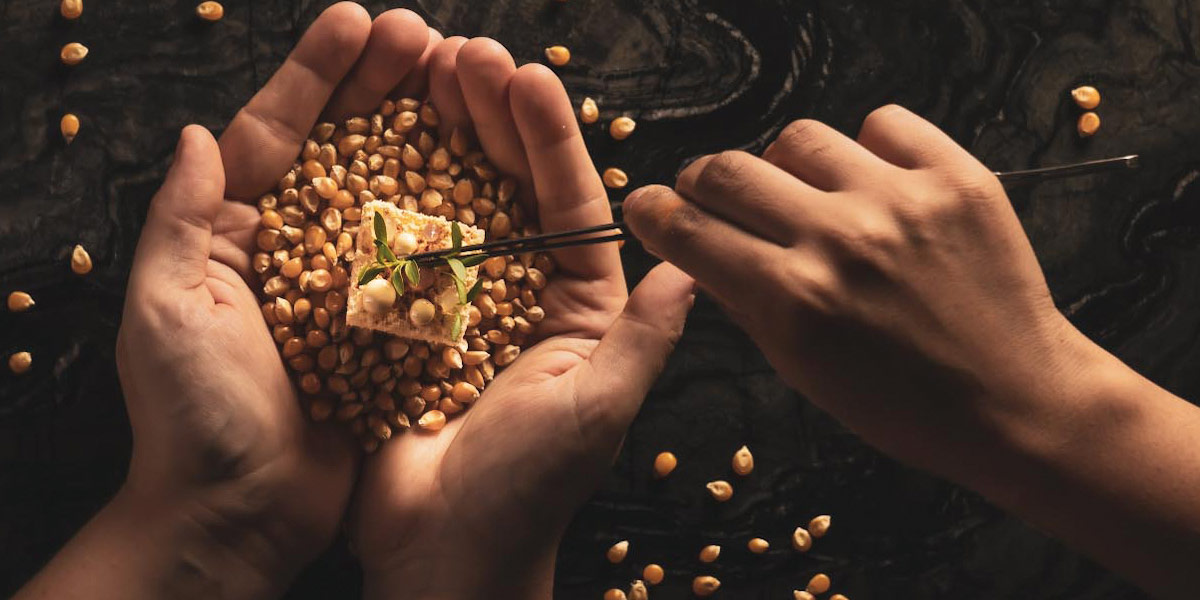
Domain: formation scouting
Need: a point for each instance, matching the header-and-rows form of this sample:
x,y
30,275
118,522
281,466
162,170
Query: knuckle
x,y
799,132
881,116
724,169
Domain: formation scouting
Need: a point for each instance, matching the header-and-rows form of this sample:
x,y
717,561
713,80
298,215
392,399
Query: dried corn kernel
x,y
653,574
20,362
558,55
19,302
720,490
801,539
705,585
802,595
838,597
710,553
758,545
621,128
73,53
743,461
819,525
81,261
637,590
615,178
1089,123
71,9
1086,96
588,111
664,463
819,584
617,552
614,594
69,126
210,11
432,420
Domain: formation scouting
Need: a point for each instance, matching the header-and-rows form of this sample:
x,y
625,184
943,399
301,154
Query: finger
x,y
444,92
568,189
485,69
174,247
416,83
264,138
821,156
751,193
634,351
720,256
904,139
397,41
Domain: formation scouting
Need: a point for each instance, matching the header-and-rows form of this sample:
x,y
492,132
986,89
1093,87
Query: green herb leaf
x,y
380,228
474,260
455,236
368,273
398,281
456,328
456,266
384,252
462,290
474,291
412,272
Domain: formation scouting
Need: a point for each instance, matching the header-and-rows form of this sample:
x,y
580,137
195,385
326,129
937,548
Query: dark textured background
x,y
1120,251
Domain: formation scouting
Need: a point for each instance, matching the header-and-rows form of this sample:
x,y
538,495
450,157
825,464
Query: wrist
x,y
449,569
196,552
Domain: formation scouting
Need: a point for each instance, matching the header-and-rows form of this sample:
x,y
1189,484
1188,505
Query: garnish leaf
x,y
455,236
456,328
398,281
474,291
457,267
462,290
474,260
380,228
385,252
412,272
368,273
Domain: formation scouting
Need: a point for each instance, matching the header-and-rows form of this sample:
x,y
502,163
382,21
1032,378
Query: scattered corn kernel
x,y
802,595
558,55
653,574
19,302
801,539
617,552
710,553
720,490
838,597
819,525
20,362
210,11
819,584
664,463
69,125
1089,123
71,9
432,420
621,127
81,261
1086,96
758,545
637,590
588,111
743,461
614,594
615,178
73,53
705,585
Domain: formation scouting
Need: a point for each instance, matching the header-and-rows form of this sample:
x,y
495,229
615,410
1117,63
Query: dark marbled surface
x,y
1121,252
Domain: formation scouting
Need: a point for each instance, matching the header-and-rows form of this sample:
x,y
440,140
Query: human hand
x,y
477,509
888,280
219,435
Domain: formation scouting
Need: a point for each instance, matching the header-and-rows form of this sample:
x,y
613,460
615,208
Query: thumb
x,y
635,349
176,239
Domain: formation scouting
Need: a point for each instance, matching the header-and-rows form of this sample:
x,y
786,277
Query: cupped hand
x,y
219,436
888,279
476,509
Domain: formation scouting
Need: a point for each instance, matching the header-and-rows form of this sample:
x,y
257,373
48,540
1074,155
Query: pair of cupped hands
x,y
854,264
